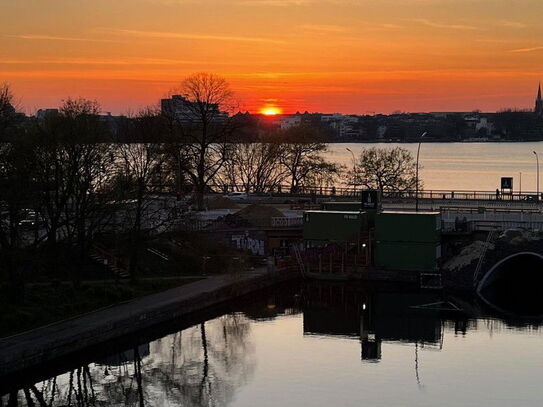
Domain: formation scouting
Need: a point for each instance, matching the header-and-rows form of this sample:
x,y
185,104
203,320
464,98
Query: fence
x,y
281,222
355,192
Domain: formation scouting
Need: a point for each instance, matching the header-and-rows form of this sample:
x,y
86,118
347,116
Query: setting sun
x,y
270,111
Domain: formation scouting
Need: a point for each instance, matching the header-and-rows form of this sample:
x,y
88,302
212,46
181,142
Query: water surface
x,y
318,345
462,166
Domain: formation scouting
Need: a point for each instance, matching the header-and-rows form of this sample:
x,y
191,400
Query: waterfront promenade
x,y
44,345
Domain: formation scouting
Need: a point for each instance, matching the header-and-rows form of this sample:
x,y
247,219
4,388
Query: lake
x,y
462,166
318,344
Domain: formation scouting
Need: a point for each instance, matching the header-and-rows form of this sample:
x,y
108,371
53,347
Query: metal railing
x,y
279,222
490,225
355,192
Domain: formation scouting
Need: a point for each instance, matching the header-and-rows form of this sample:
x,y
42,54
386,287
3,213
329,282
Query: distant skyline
x,y
346,56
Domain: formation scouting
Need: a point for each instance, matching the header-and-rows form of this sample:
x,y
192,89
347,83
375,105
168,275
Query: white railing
x,y
282,222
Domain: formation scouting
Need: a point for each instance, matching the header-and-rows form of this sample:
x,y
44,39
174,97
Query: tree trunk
x,y
200,197
136,234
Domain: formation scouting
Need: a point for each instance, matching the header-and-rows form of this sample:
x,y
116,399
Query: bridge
x,y
513,284
432,197
481,210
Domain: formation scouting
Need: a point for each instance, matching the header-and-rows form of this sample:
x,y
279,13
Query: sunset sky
x,y
349,56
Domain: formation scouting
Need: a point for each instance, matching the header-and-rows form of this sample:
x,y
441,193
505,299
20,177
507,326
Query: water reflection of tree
x,y
200,366
216,358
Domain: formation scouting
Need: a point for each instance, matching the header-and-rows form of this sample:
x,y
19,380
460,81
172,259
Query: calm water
x,y
470,166
318,345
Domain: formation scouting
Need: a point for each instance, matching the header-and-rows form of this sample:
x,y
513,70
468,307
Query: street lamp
x,y
354,159
537,163
417,175
354,168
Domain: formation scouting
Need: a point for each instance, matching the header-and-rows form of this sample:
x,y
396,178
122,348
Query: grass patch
x,y
48,303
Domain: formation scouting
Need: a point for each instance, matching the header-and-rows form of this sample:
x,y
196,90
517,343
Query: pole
x,y
537,181
354,168
417,175
520,184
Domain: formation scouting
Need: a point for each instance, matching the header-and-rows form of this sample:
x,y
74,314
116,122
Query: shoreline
x,y
21,352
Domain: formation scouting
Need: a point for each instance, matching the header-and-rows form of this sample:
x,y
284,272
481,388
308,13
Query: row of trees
x,y
187,368
295,157
61,185
58,173
263,167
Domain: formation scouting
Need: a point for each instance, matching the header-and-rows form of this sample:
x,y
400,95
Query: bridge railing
x,y
355,192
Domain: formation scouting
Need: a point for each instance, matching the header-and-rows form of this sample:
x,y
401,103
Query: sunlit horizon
x,y
352,57
271,111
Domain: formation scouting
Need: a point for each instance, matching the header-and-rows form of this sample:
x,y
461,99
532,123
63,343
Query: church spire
x,y
538,110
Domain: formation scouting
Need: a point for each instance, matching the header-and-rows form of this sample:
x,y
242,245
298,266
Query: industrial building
x,y
344,239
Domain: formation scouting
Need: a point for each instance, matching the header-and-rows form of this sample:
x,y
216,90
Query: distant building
x,y
538,110
288,121
43,113
185,111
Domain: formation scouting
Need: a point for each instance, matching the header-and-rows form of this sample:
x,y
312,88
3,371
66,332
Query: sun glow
x,y
270,111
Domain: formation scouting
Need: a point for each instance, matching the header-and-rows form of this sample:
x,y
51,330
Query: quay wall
x,y
44,345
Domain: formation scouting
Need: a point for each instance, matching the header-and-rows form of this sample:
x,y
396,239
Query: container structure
x,y
409,256
351,206
333,226
408,241
408,227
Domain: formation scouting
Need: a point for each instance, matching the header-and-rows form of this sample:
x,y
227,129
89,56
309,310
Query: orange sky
x,y
349,56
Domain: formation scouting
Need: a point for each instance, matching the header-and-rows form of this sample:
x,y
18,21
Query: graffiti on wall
x,y
243,242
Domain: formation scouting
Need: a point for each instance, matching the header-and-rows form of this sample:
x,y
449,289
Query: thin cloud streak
x,y
188,36
445,26
111,61
325,28
532,49
511,24
41,37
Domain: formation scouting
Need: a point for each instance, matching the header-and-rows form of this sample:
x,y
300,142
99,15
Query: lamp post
x,y
417,175
354,168
537,181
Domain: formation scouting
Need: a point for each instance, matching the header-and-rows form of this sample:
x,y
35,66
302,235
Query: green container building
x,y
410,227
351,206
408,256
334,226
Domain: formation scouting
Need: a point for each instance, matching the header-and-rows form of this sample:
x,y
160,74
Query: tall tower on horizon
x,y
538,110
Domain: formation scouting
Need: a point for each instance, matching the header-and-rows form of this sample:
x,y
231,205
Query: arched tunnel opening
x,y
515,285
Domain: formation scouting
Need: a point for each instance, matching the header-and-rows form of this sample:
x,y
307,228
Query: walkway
x,y
42,345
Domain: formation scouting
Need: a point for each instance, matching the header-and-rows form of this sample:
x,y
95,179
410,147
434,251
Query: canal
x,y
313,344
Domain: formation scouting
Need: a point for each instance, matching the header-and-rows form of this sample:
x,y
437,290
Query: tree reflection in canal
x,y
199,366
318,344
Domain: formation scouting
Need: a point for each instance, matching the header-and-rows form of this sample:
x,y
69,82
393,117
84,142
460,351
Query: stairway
x,y
489,239
299,259
103,260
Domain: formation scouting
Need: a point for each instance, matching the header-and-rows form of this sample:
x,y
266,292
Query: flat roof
x,y
337,212
343,203
412,213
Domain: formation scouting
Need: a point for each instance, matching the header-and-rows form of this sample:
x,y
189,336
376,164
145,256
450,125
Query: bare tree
x,y
385,169
8,111
139,166
17,194
70,166
89,161
253,167
303,159
206,127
